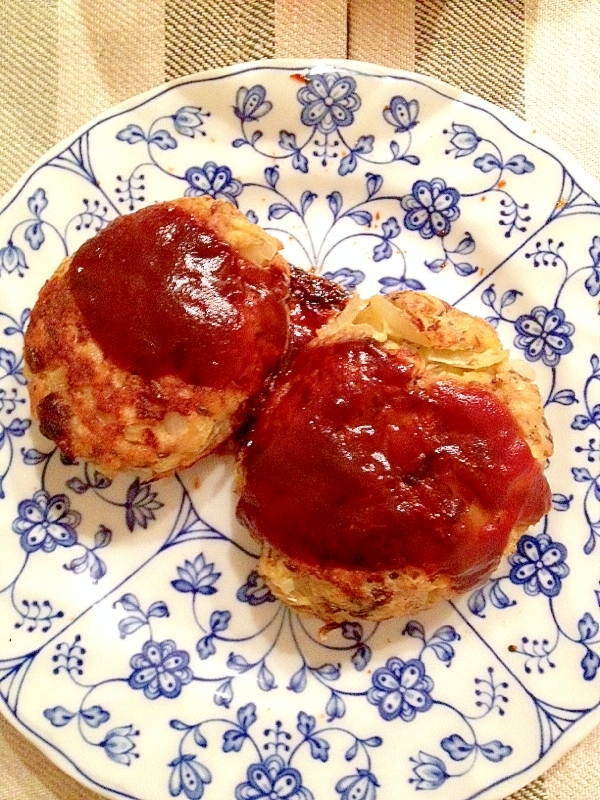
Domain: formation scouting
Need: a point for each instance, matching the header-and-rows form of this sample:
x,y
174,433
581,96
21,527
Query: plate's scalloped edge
x,y
515,126
499,790
58,759
568,739
508,119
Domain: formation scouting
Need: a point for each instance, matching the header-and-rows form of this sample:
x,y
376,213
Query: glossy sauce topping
x,y
313,301
351,466
163,296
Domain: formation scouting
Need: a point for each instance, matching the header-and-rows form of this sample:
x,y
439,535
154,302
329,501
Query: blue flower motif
x,y
118,744
430,208
430,772
346,277
539,565
46,521
255,591
272,779
188,776
12,259
140,505
362,786
402,114
214,181
250,104
329,101
592,283
189,119
400,689
595,251
464,141
196,577
160,669
544,334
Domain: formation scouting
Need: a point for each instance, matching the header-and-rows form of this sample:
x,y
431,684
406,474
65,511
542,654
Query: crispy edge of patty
x,y
439,338
95,410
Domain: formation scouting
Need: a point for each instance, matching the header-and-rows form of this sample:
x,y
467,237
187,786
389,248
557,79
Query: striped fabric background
x,y
64,61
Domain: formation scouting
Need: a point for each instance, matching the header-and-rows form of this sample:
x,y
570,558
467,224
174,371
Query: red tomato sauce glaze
x,y
313,302
351,465
162,295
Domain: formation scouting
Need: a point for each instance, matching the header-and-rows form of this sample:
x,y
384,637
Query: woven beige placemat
x,y
477,46
28,84
25,774
216,33
382,32
63,61
562,78
310,29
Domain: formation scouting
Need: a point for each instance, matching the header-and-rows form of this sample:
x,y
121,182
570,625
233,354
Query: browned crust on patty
x,y
121,421
339,594
446,345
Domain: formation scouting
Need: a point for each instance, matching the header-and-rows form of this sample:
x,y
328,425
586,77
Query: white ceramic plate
x,y
138,648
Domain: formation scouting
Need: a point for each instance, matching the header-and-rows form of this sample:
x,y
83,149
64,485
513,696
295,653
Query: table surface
x,y
64,61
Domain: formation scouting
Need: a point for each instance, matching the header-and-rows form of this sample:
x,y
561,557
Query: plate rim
x,y
506,117
515,126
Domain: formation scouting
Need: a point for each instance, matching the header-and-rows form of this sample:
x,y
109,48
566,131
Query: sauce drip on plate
x,y
161,295
352,465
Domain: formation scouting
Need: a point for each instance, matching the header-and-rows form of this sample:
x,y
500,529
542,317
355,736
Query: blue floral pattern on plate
x,y
132,614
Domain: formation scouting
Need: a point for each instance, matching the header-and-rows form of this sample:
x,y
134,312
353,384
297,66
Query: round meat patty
x,y
144,347
394,463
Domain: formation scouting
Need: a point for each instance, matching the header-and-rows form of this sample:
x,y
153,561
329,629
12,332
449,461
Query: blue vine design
x,y
329,102
398,223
